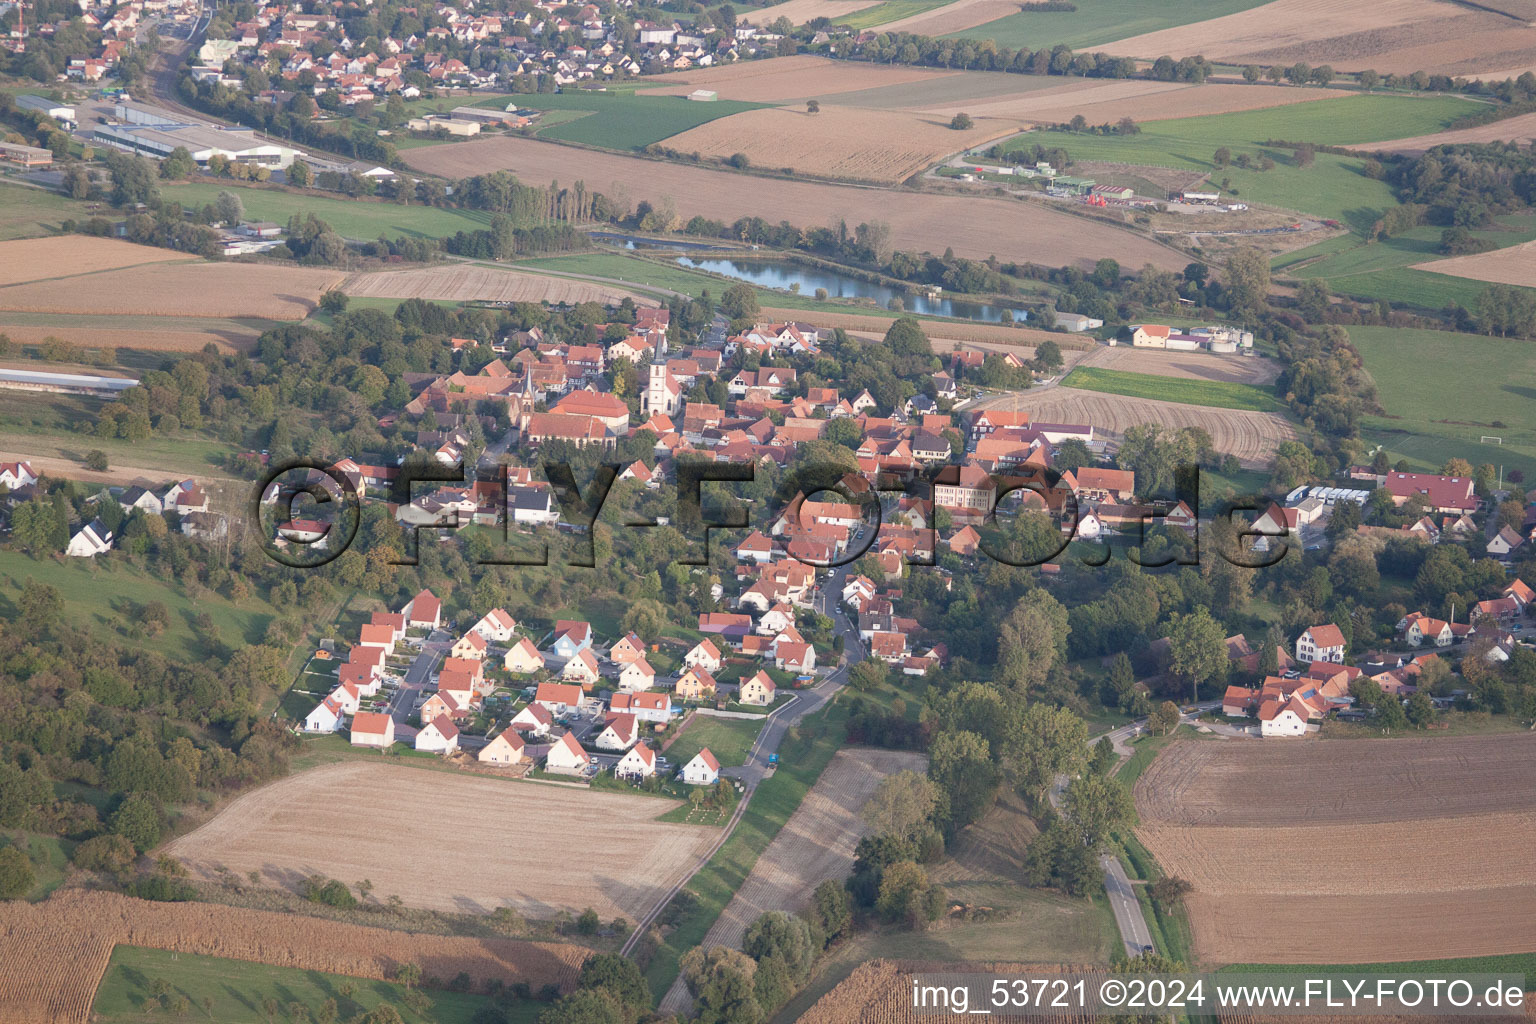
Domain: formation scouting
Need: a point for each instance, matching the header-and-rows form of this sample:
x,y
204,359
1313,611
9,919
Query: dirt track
x,y
976,228
450,842
1432,834
1251,436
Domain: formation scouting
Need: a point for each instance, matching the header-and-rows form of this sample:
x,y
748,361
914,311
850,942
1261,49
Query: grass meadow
x,y
621,119
729,739
1217,394
352,218
1431,417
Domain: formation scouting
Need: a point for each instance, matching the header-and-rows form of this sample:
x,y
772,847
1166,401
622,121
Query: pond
x,y
781,274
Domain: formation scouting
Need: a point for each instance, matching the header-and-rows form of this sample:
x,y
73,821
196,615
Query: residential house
x,y
695,684
89,541
16,475
637,675
532,506
647,707
380,636
1320,643
628,648
1504,543
705,655
570,638
1448,494
372,729
443,704
638,763
532,720
424,611
439,736
795,657
567,758
523,658
495,626
1098,484
505,748
619,732
1419,629
757,690
702,770
582,668
559,698
326,717
471,645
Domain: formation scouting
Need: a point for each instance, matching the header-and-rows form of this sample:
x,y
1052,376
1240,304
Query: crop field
x,y
235,990
1401,37
56,952
1096,22
1235,820
1218,394
953,17
880,992
344,832
1194,366
469,282
801,11
1514,265
621,120
183,289
1008,229
1521,129
352,218
880,146
815,844
785,79
1431,417
39,259
150,334
1250,436
1143,101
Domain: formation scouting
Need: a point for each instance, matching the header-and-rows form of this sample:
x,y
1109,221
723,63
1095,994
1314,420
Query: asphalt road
x,y
1122,900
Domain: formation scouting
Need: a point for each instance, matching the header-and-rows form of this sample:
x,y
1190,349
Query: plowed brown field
x,y
975,227
153,341
788,78
885,147
450,842
1184,365
54,953
801,11
1520,129
462,283
1102,103
1514,265
35,259
186,289
1437,832
1251,436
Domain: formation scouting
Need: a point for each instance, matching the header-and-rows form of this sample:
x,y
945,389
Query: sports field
x,y
622,120
1431,417
1096,22
1218,394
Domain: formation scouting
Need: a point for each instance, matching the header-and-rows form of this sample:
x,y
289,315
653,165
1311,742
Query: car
x,y
1146,949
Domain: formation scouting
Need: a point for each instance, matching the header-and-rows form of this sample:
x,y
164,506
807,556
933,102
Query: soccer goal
x,y
1490,439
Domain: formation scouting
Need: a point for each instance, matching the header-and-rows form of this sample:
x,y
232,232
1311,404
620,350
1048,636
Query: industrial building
x,y
157,133
61,112
65,383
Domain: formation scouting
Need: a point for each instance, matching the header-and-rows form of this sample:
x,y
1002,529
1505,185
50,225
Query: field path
x,y
1010,229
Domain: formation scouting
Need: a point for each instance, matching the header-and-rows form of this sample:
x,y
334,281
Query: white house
x,y
1288,719
703,770
440,736
15,475
619,733
505,748
776,620
638,763
533,719
91,540
794,657
523,658
495,626
424,611
470,645
325,718
371,729
566,757
647,707
757,690
704,655
582,668
558,698
1320,643
637,675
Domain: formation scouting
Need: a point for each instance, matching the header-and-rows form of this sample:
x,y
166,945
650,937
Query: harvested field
x,y
1514,265
1251,436
880,991
815,844
1139,100
188,289
37,259
1389,780
346,834
463,282
944,334
954,17
56,952
885,147
790,78
975,227
1521,129
1400,37
1445,825
801,11
103,332
1184,365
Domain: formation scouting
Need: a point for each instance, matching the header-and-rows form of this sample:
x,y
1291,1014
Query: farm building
x,y
65,383
703,96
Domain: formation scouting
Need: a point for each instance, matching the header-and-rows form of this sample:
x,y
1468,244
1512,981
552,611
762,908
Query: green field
x,y
1333,187
891,10
101,596
1431,417
623,119
1384,269
1096,22
353,218
729,739
1218,394
236,989
30,212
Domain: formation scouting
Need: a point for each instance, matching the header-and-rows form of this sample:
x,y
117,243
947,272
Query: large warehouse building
x,y
157,133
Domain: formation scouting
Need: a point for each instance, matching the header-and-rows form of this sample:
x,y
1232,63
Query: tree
x,y
813,106
907,895
96,460
1222,158
408,974
16,876
585,1006
1252,73
901,805
1169,890
777,934
739,301
1103,757
139,819
962,123
618,976
229,208
1032,639
299,174
1049,741
1164,719
1197,649
960,764
869,674
1096,806
334,301
831,909
1247,281
721,981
